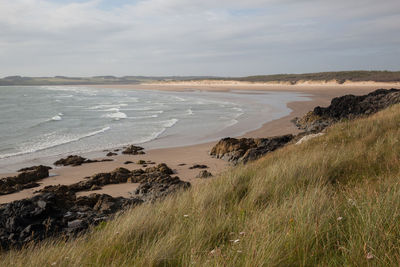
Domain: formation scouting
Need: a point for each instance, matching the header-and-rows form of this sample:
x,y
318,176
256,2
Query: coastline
x,y
195,154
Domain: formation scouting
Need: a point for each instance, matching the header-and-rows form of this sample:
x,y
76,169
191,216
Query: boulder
x,y
247,149
155,189
133,150
74,160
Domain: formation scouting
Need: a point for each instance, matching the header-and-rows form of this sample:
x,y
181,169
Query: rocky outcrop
x,y
74,160
26,179
119,175
134,150
155,188
57,211
247,149
347,107
51,214
157,179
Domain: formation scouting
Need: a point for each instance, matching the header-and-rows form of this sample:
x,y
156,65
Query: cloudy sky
x,y
196,37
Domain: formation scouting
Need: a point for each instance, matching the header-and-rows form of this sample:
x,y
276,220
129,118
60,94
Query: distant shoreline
x,y
338,77
301,83
218,83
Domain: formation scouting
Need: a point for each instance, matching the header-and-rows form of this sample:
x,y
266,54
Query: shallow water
x,y
42,121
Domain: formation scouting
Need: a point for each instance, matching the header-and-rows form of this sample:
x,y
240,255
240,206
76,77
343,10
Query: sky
x,y
197,37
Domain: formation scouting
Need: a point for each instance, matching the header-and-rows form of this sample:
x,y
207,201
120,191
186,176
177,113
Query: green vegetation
x,y
332,201
341,77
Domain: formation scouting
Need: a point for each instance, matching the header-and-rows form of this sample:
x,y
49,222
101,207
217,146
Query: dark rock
x,y
204,174
118,176
140,162
103,160
133,150
247,149
110,154
26,179
33,168
182,164
74,160
56,210
128,162
54,214
198,166
347,107
154,189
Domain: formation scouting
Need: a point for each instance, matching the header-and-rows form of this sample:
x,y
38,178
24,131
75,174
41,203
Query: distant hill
x,y
63,80
340,77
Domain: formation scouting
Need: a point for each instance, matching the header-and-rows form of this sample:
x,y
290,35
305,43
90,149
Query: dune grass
x,y
332,201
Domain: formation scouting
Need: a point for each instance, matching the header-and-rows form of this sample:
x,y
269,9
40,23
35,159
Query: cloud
x,y
180,37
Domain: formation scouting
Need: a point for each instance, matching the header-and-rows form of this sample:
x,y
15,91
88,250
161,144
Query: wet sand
x,y
197,154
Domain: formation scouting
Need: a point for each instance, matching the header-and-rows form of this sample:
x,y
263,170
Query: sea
x,y
47,121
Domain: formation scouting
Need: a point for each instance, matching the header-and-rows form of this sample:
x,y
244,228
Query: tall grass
x,y
332,201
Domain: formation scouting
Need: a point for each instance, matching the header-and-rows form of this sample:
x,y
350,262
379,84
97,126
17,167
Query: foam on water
x,y
116,115
56,118
112,109
51,140
169,123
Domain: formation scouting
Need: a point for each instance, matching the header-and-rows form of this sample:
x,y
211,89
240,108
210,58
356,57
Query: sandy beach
x,y
181,158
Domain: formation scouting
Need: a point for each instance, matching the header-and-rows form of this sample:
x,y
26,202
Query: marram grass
x,y
332,201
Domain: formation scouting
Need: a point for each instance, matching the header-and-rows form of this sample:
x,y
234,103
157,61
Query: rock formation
x,y
51,214
158,187
74,160
57,211
247,149
134,150
26,179
347,107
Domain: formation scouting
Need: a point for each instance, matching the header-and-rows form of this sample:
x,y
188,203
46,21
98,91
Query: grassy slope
x,y
334,200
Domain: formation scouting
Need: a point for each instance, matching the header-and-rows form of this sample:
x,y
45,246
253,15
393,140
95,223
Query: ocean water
x,y
42,121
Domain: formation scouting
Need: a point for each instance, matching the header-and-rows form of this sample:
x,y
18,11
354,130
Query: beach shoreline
x,y
175,157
